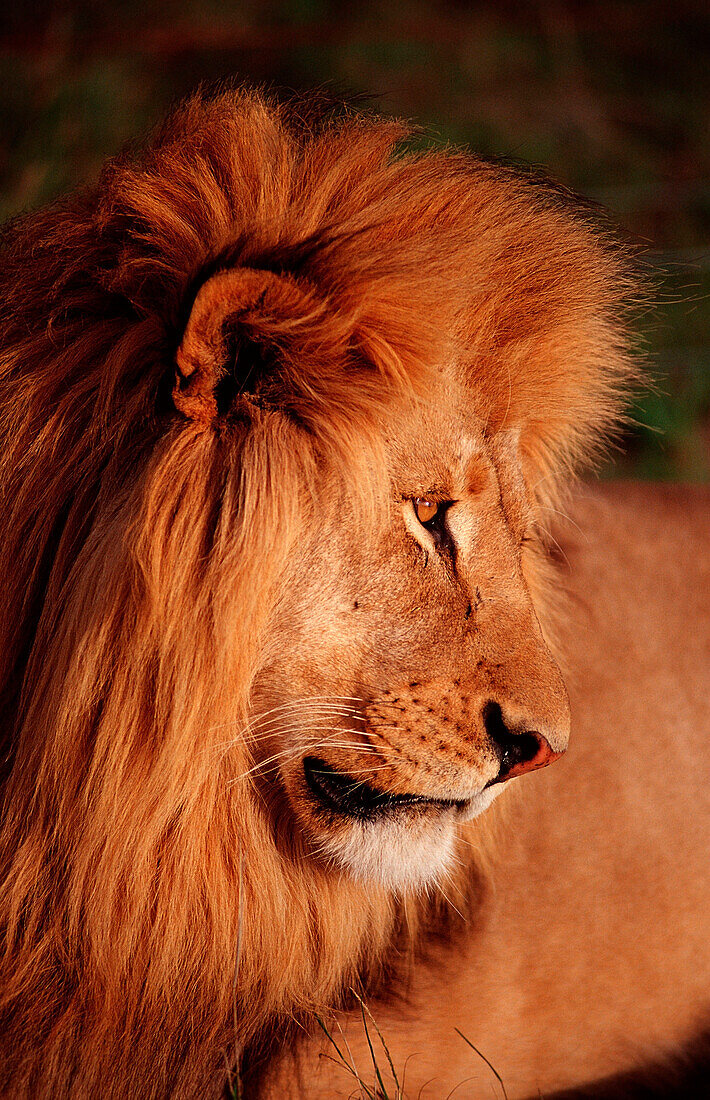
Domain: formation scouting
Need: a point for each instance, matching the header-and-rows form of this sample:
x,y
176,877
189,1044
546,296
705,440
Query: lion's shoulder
x,y
646,545
636,571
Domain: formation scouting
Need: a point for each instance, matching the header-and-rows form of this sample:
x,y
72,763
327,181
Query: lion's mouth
x,y
351,797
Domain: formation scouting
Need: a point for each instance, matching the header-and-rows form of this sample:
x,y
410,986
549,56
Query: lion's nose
x,y
517,752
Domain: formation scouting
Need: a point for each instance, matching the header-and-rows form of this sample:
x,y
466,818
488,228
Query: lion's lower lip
x,y
350,797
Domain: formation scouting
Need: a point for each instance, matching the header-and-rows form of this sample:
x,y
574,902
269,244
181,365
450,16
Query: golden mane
x,y
141,551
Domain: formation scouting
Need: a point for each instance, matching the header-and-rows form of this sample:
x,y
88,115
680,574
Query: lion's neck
x,y
332,939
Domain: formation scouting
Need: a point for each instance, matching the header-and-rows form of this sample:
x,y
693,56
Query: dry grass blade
x,y
491,1067
364,1008
378,1075
369,1094
235,1078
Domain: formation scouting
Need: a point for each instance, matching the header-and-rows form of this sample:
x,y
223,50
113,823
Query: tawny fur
x,y
587,957
146,539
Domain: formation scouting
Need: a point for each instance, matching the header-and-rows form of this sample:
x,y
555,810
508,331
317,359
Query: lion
x,y
290,414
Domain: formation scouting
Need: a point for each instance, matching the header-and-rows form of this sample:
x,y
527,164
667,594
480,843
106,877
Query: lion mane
x,y
156,924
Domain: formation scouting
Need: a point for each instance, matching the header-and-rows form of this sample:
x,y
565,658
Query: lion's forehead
x,y
441,443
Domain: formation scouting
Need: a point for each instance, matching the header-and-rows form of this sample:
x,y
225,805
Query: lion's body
x,y
284,417
590,956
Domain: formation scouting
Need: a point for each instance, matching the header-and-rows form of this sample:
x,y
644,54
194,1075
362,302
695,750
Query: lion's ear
x,y
239,321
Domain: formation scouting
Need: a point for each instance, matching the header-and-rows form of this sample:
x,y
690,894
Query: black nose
x,y
517,752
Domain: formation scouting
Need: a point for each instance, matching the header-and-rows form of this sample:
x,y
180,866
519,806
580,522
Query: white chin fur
x,y
403,854
400,855
480,802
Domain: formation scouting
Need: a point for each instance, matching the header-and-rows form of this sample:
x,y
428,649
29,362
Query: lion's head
x,y
282,413
407,676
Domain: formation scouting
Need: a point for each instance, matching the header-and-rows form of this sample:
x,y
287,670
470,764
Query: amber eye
x,y
425,510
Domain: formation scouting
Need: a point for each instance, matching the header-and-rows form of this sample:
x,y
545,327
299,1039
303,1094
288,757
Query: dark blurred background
x,y
612,98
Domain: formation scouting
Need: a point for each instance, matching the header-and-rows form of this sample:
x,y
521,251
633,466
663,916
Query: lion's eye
x,y
431,515
425,510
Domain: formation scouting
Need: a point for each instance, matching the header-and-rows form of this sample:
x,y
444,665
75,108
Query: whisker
x,y
255,730
253,736
559,512
449,902
305,714
295,750
306,708
316,708
304,703
548,534
297,727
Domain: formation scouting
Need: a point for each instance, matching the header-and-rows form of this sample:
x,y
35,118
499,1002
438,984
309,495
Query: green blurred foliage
x,y
611,97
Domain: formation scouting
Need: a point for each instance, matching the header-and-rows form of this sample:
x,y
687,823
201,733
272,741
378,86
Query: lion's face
x,y
409,677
